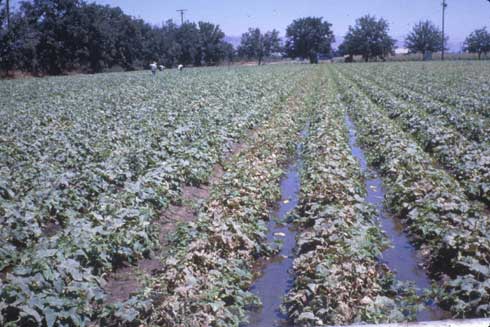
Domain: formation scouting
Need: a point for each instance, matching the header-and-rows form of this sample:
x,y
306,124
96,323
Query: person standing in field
x,y
153,68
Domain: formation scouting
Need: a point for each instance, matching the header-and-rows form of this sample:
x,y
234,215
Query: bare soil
x,y
170,217
51,228
126,281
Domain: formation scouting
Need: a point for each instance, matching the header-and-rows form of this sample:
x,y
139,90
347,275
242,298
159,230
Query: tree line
x,y
369,38
58,36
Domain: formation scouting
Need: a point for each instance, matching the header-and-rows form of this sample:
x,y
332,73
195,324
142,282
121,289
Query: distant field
x,y
95,168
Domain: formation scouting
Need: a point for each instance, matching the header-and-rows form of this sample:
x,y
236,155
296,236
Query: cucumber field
x,y
284,194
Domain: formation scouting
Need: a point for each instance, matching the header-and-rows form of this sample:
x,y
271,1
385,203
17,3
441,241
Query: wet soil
x,y
275,278
401,257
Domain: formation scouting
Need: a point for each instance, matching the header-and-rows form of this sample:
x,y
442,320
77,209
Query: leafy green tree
x,y
188,38
255,45
57,36
3,15
128,41
18,42
97,37
7,10
211,47
7,59
425,37
369,38
188,44
306,37
18,46
478,42
228,51
168,49
57,22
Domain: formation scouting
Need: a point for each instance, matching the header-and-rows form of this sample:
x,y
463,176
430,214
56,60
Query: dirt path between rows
x,y
126,281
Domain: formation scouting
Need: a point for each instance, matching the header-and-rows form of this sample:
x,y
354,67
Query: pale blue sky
x,y
235,17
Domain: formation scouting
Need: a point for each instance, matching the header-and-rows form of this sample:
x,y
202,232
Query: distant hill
x,y
233,40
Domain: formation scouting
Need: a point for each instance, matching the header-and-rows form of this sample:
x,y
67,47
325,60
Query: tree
x,y
478,42
7,12
127,40
167,49
229,52
18,45
272,43
211,43
58,36
188,38
18,42
57,22
255,45
425,37
306,37
368,38
97,37
8,57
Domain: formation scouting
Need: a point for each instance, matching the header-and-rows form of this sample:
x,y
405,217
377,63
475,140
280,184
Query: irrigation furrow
x,y
132,161
452,236
274,279
338,278
401,257
206,280
464,86
472,125
468,162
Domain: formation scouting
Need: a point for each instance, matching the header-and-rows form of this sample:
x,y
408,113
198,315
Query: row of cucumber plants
x,y
109,187
468,161
462,85
338,277
71,158
206,279
472,125
451,234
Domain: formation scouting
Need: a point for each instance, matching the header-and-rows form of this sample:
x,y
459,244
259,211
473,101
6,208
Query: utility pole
x,y
444,5
182,15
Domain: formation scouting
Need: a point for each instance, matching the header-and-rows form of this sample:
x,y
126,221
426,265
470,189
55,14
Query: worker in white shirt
x,y
153,68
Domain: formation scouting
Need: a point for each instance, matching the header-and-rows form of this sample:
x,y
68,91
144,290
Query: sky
x,y
235,17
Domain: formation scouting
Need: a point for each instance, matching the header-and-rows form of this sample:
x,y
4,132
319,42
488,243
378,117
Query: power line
x,y
444,5
181,15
